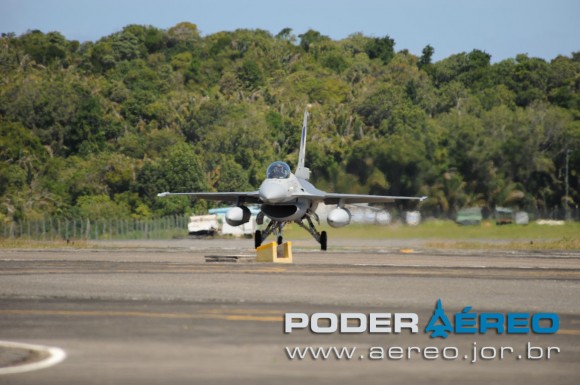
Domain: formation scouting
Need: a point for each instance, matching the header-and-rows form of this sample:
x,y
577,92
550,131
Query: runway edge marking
x,y
55,356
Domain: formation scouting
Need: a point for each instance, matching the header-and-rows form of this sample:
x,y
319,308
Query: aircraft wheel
x,y
280,240
257,239
323,240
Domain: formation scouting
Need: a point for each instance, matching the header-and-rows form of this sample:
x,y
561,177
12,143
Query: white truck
x,y
203,225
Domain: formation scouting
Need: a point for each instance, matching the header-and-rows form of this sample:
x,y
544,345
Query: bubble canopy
x,y
278,170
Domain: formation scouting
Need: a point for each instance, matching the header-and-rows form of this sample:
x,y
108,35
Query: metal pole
x,y
566,208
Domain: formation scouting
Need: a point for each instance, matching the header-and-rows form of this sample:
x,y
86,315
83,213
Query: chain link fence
x,y
50,229
556,213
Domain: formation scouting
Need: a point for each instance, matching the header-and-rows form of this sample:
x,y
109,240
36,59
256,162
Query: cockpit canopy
x,y
278,170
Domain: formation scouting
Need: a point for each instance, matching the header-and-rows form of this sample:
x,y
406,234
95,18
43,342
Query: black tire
x,y
257,239
280,240
323,240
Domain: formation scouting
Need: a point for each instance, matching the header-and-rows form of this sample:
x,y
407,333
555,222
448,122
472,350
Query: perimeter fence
x,y
534,213
170,227
50,229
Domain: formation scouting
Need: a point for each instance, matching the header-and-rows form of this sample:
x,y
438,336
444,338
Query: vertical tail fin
x,y
301,171
302,153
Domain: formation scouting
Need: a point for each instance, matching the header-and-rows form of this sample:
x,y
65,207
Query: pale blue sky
x,y
502,28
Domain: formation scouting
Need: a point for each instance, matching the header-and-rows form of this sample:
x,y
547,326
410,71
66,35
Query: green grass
x,y
21,243
449,235
447,230
437,234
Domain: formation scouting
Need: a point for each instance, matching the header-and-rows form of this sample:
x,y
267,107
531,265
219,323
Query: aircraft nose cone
x,y
272,193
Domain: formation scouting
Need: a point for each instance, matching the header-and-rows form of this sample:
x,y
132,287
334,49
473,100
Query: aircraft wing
x,y
334,199
244,197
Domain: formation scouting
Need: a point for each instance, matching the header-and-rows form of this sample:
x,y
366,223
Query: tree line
x,y
97,129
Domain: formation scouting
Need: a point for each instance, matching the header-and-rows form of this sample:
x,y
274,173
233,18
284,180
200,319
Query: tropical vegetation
x,y
97,129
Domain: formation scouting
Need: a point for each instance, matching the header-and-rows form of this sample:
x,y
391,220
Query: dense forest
x,y
97,129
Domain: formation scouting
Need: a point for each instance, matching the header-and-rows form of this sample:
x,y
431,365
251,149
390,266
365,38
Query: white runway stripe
x,y
54,356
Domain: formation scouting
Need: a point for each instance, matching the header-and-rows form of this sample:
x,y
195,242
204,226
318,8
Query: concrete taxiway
x,y
157,312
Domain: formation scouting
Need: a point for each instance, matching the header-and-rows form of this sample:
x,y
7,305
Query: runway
x,y
157,312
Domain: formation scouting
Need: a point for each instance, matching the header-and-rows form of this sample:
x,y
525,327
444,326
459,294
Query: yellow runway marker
x,y
569,332
242,311
253,318
217,314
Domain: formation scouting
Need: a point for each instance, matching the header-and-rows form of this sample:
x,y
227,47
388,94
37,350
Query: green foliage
x,y
183,35
251,75
286,34
44,48
426,56
178,170
98,129
19,144
100,207
311,38
382,48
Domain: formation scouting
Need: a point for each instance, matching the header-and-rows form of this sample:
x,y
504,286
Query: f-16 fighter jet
x,y
287,197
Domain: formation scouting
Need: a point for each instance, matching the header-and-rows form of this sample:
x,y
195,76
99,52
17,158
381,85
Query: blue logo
x,y
467,322
441,329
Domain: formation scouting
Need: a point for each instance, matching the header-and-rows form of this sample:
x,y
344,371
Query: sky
x,y
502,28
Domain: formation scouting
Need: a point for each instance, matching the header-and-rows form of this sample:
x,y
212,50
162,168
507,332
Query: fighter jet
x,y
287,197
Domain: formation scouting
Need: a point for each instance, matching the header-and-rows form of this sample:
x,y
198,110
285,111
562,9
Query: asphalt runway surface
x,y
156,312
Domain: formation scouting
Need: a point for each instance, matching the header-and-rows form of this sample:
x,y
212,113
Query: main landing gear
x,y
320,237
257,239
277,227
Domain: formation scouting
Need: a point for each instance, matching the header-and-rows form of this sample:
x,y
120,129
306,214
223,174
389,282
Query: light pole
x,y
566,207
